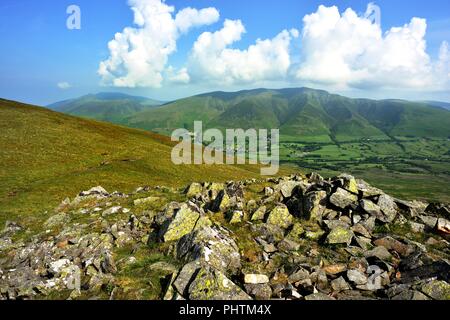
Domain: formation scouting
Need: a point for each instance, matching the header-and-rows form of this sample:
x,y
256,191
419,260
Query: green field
x,y
411,168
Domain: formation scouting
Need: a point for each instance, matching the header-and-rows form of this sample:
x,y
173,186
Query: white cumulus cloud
x,y
350,51
64,85
212,57
139,55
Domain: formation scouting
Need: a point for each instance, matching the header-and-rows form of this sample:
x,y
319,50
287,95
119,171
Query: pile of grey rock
x,y
297,237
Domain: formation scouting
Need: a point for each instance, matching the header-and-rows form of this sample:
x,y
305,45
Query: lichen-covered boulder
x,y
314,205
184,277
212,246
211,284
214,189
182,223
235,216
388,206
349,183
259,214
287,187
340,235
367,190
438,290
281,217
222,202
194,189
57,220
296,232
343,199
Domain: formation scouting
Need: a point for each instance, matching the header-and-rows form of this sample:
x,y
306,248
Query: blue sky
x,y
39,52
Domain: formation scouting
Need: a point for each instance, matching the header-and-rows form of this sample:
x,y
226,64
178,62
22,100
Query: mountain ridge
x,y
300,113
105,106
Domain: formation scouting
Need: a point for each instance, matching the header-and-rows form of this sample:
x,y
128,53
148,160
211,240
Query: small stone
x,y
268,191
350,183
388,206
392,244
296,232
340,235
371,208
429,221
360,229
256,278
318,297
314,206
236,217
443,226
379,252
287,187
57,220
367,190
314,235
343,199
335,268
259,291
417,227
222,202
259,214
185,276
288,245
57,266
340,284
183,223
357,277
194,189
111,211
147,201
211,284
99,191
438,290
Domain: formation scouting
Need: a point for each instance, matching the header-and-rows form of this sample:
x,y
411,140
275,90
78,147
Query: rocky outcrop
x,y
299,237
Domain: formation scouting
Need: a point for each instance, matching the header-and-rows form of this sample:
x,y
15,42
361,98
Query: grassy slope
x,y
47,156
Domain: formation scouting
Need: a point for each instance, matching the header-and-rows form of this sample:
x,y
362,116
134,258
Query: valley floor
x,y
411,168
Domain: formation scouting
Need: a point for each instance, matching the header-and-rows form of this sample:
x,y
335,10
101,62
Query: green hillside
x,y
47,156
106,106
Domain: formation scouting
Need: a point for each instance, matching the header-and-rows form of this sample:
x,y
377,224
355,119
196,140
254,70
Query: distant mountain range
x,y
440,104
105,106
301,114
